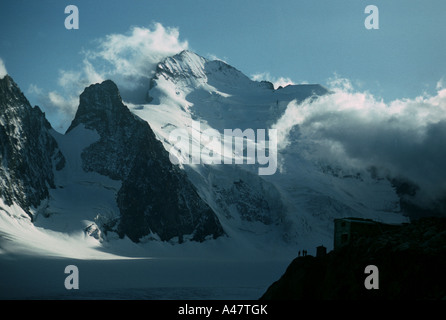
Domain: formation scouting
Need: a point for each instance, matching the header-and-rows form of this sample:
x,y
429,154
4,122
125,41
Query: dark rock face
x,y
155,197
28,151
101,109
250,202
411,264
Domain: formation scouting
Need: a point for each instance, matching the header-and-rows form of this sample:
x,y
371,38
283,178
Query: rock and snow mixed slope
x,y
155,197
298,203
28,151
109,176
108,182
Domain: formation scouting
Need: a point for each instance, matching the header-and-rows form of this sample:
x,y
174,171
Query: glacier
x,y
266,219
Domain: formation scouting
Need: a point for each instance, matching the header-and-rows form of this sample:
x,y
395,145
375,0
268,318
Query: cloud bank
x,y
128,59
404,138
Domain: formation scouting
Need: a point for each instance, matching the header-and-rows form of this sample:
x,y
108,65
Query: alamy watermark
x,y
372,280
72,20
233,147
72,280
372,20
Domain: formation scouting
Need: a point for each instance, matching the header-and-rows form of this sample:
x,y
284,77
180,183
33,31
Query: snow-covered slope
x,y
43,209
91,193
298,203
155,198
107,178
219,94
110,178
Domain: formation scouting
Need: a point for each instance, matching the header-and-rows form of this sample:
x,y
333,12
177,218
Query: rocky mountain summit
x,y
155,197
29,153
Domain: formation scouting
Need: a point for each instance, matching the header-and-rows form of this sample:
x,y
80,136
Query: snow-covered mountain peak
x,y
220,94
190,70
194,94
185,64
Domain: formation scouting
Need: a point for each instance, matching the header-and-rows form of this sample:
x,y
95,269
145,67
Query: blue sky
x,y
303,41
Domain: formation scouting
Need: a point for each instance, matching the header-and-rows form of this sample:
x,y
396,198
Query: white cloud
x,y
34,89
3,71
130,59
127,59
212,56
403,138
440,84
277,82
68,78
60,102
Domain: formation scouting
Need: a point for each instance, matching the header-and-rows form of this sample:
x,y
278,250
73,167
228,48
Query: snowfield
x,y
33,260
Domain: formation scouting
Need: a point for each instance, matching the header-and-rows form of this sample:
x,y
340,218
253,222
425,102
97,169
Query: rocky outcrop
x,y
28,151
156,199
411,263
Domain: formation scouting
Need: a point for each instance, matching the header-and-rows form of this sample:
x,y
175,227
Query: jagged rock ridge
x,y
29,153
156,198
